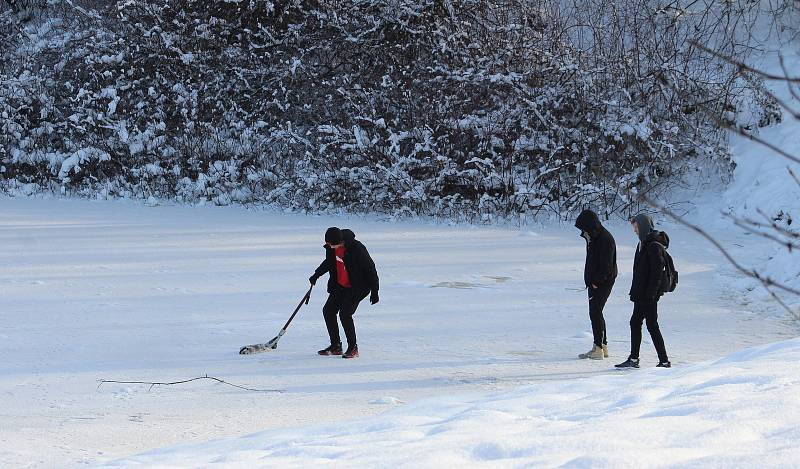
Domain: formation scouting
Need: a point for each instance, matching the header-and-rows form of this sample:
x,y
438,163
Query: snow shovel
x,y
273,344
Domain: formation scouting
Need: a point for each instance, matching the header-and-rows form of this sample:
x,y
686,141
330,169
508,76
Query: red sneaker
x,y
352,352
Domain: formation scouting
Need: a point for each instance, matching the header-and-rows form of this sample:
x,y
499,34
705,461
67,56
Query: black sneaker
x,y
665,364
334,349
629,363
352,352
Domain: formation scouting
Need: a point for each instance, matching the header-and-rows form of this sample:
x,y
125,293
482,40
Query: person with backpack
x,y
650,281
599,274
352,276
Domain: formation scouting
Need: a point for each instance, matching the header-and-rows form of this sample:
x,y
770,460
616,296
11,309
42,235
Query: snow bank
x,y
763,189
761,179
741,411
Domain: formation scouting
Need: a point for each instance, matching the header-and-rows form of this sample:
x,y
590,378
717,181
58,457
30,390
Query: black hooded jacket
x,y
648,263
601,251
360,266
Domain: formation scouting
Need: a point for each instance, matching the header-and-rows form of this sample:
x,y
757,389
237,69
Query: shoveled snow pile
x,y
741,411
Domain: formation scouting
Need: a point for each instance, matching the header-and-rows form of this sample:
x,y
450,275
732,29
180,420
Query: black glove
x,y
373,298
313,279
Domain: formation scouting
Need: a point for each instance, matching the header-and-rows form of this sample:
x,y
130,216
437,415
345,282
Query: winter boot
x,y
334,349
596,353
586,355
352,352
629,363
605,350
665,364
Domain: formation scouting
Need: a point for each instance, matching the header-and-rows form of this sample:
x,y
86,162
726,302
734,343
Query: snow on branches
x,y
449,108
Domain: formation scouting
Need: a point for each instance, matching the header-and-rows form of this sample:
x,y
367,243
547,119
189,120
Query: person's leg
x,y
329,312
597,301
349,327
637,318
651,315
602,317
349,306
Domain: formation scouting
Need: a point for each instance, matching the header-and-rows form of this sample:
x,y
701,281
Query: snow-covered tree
x,y
457,108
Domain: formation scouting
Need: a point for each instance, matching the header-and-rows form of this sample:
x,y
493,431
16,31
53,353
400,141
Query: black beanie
x,y
333,235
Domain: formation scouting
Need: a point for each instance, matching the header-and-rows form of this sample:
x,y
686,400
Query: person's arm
x,y
323,269
371,273
655,267
603,261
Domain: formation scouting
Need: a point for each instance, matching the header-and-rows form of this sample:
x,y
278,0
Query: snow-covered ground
x,y
740,411
120,291
469,359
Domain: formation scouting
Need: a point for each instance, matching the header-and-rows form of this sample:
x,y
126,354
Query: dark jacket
x,y
648,263
601,251
360,267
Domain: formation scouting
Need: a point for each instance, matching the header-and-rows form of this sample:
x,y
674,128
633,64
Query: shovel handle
x,y
305,300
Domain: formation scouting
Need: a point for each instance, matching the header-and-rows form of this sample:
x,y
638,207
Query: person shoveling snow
x,y
352,276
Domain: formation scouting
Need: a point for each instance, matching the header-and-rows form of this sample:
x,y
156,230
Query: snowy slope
x,y
762,184
741,411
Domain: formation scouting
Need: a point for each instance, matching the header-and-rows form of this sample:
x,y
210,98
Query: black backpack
x,y
669,276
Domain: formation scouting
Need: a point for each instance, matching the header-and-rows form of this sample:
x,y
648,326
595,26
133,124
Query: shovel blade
x,y
259,348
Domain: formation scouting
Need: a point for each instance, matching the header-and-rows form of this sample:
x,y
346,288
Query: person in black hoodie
x,y
599,274
648,263
352,277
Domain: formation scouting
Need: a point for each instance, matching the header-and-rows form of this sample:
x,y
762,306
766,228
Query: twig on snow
x,y
156,383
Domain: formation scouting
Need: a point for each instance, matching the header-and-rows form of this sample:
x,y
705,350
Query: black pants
x,y
597,301
646,311
342,301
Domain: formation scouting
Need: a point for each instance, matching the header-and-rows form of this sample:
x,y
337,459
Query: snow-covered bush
x,y
456,108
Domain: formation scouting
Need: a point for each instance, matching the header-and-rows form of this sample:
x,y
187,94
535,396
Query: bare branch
x,y
744,66
794,176
771,222
755,227
727,125
156,383
789,84
778,100
782,303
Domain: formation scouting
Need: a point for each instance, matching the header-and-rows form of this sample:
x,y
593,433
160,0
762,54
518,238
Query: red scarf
x,y
342,276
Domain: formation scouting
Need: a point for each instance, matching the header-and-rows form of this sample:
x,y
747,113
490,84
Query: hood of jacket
x,y
588,221
348,236
645,224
